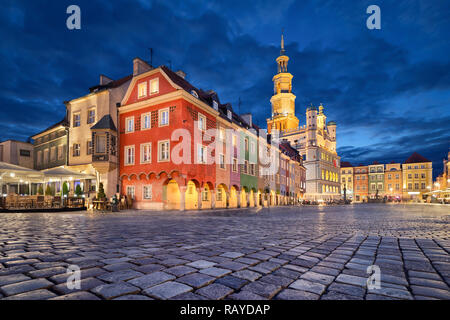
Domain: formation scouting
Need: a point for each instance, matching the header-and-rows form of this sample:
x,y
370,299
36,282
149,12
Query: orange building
x,y
393,181
361,183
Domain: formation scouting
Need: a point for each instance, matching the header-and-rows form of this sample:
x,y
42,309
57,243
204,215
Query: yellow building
x,y
417,177
347,181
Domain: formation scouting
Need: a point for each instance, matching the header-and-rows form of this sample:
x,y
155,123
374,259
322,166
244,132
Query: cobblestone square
x,y
310,252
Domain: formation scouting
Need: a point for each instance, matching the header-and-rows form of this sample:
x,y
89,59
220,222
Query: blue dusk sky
x,y
388,90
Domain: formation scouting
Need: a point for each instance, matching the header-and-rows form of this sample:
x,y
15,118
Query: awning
x,y
61,173
11,173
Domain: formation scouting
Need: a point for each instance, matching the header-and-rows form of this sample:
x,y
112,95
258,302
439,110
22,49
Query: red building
x,y
158,108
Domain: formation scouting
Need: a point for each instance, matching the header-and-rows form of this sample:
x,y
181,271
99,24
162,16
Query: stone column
x,y
182,198
199,198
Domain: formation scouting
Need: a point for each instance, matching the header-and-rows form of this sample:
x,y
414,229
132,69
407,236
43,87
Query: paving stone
x,y
113,290
277,280
354,280
392,292
85,284
245,295
347,289
41,294
13,278
45,273
232,265
232,254
80,295
151,279
305,285
215,272
167,290
247,274
215,291
232,282
133,297
189,296
317,277
263,289
201,264
196,280
291,294
430,292
180,271
118,266
334,295
24,286
428,283
121,275
284,272
149,268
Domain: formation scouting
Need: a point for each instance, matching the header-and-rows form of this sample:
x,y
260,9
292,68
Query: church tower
x,y
283,100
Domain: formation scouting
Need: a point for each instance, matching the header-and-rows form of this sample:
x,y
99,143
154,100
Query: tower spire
x,y
282,51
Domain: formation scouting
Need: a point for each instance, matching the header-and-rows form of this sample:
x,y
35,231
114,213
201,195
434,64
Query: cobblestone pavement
x,y
277,253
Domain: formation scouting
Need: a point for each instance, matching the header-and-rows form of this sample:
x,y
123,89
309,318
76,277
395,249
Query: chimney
x,y
247,118
140,66
105,80
181,74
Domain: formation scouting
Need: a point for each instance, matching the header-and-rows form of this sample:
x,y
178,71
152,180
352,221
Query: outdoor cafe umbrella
x,y
11,173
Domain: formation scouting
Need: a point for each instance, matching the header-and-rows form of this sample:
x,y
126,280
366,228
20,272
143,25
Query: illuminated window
x,y
130,191
246,144
235,165
76,150
89,148
100,144
142,89
91,116
154,86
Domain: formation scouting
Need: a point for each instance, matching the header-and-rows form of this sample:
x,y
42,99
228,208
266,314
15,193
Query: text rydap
x,y
246,309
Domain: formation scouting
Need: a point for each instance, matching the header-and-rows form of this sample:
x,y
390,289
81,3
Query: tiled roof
x,y
112,84
346,164
105,123
416,158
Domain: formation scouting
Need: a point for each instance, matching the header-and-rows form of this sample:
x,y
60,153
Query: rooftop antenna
x,y
151,57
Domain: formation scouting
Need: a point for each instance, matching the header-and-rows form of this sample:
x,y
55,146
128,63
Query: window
x,y
252,169
194,93
252,147
76,119
129,124
205,195
246,144
389,186
422,166
219,194
146,153
215,105
222,134
416,175
201,122
25,153
76,149
146,121
129,155
142,89
423,175
380,186
60,152
245,166
416,186
229,114
357,177
91,116
201,153
349,179
235,165
397,186
396,176
409,176
154,86
409,186
130,191
100,144
164,117
163,151
422,185
222,161
373,186
389,176
90,148
147,192
233,140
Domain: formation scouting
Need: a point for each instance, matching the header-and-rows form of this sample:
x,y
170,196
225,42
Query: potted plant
x,y
78,191
101,192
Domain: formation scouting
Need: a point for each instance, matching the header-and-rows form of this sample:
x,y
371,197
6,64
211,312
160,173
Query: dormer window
x,y
215,105
154,86
194,93
142,89
229,115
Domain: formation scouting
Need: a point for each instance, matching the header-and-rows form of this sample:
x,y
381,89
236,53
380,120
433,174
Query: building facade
x,y
347,180
17,152
393,181
417,177
376,180
93,139
361,183
316,141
